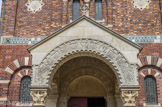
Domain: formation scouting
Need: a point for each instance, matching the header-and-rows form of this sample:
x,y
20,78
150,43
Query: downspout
x,y
160,10
3,12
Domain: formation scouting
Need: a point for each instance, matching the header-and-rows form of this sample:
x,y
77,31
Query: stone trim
x,y
4,81
125,72
148,72
150,60
17,63
19,104
3,99
158,105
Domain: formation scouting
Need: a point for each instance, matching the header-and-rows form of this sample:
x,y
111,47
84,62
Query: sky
x,y
0,6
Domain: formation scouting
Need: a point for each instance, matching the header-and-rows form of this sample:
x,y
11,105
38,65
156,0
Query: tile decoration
x,y
21,40
33,40
34,5
141,4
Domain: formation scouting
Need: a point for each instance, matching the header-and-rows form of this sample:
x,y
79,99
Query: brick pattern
x,y
140,102
55,13
149,65
118,15
14,86
8,53
150,61
10,90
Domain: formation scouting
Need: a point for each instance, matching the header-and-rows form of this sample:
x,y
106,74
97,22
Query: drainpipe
x,y
3,12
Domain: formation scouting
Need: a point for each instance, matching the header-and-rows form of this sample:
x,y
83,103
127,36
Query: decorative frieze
x,y
33,40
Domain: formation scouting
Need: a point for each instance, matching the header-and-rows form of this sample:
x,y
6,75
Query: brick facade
x,y
119,15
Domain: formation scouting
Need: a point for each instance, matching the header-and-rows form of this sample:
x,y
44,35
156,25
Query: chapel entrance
x,y
87,102
86,81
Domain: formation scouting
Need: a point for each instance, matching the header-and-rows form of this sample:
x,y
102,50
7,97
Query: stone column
x,y
62,101
39,97
52,101
129,97
64,13
111,101
119,102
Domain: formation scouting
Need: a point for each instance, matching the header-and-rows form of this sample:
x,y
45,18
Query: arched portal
x,y
85,77
124,73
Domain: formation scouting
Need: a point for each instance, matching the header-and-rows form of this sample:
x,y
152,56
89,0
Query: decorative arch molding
x,y
150,61
87,72
126,73
149,71
17,64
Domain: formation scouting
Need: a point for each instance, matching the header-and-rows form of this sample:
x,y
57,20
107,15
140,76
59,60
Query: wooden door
x,y
77,102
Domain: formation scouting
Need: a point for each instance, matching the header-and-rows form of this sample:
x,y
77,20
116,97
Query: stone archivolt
x,y
125,72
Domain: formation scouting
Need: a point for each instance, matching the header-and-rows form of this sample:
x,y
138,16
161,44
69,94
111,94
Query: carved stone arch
x,y
87,72
126,73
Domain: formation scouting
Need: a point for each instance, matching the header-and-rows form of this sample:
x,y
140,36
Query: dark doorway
x,y
96,102
86,102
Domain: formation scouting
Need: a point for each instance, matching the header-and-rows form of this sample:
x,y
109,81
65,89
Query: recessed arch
x,y
89,86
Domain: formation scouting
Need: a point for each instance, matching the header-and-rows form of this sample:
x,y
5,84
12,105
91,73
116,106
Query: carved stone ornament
x,y
129,98
84,8
39,97
141,4
125,72
34,5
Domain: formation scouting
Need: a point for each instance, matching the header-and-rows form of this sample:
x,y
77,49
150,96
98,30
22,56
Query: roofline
x,y
75,22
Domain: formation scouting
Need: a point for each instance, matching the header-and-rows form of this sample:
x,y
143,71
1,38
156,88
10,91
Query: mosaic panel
x,y
141,4
34,5
33,40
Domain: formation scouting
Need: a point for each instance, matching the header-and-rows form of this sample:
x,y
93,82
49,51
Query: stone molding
x,y
39,97
125,72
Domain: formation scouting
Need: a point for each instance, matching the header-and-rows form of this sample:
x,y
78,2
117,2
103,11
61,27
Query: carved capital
x,y
39,97
129,97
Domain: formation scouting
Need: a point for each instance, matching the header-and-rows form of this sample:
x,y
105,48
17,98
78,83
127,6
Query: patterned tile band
x,y
33,40
21,40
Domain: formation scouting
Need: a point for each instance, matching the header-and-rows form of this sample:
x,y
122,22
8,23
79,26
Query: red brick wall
x,y
14,86
155,51
119,13
9,53
55,14
141,98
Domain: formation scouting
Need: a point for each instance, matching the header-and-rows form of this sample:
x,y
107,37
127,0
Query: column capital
x,y
129,97
39,97
64,0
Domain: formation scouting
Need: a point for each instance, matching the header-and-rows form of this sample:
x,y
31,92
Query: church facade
x,y
81,53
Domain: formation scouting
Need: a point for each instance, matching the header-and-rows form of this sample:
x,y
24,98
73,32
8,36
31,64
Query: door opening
x,y
86,102
96,102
